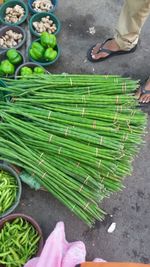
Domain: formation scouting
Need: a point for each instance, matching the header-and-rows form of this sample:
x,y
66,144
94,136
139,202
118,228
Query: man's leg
x,y
131,20
132,17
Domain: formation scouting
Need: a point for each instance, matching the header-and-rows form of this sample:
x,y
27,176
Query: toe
x,y
147,100
100,55
96,48
143,98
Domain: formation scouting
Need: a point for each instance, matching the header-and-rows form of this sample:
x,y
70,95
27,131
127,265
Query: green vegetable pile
x,y
18,242
8,191
76,134
45,50
27,71
7,66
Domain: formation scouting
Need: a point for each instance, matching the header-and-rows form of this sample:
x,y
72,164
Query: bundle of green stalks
x,y
76,134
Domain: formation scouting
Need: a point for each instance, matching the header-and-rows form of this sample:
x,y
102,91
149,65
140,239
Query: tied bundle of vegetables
x,y
18,242
8,191
75,134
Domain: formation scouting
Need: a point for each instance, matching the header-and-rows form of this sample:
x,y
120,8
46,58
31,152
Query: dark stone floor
x,y
130,208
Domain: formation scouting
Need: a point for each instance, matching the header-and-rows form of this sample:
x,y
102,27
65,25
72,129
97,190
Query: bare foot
x,y
110,45
144,98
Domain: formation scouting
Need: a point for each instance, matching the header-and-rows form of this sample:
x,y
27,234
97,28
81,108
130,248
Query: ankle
x,y
112,45
148,84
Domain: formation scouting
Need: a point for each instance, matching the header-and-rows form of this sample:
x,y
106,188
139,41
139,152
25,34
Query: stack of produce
x,y
8,65
10,39
42,5
45,49
27,71
19,242
46,24
14,14
8,191
76,134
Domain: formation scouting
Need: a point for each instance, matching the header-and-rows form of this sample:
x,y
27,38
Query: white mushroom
x,y
1,42
47,25
19,36
14,43
9,44
8,10
35,24
6,37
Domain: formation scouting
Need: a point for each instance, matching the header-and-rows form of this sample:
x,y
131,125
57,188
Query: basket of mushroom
x,y
11,37
13,12
44,22
37,6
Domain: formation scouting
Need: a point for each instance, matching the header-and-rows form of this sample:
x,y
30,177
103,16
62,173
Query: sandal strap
x,y
109,52
109,39
144,91
102,49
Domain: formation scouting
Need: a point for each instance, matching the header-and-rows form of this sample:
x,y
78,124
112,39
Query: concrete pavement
x,y
130,208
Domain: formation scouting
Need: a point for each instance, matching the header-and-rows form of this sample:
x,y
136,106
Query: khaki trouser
x,y
133,15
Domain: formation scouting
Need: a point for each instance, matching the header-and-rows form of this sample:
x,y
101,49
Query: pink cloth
x,y
57,252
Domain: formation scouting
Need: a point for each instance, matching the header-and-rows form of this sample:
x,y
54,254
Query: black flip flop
x,y
144,92
109,52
